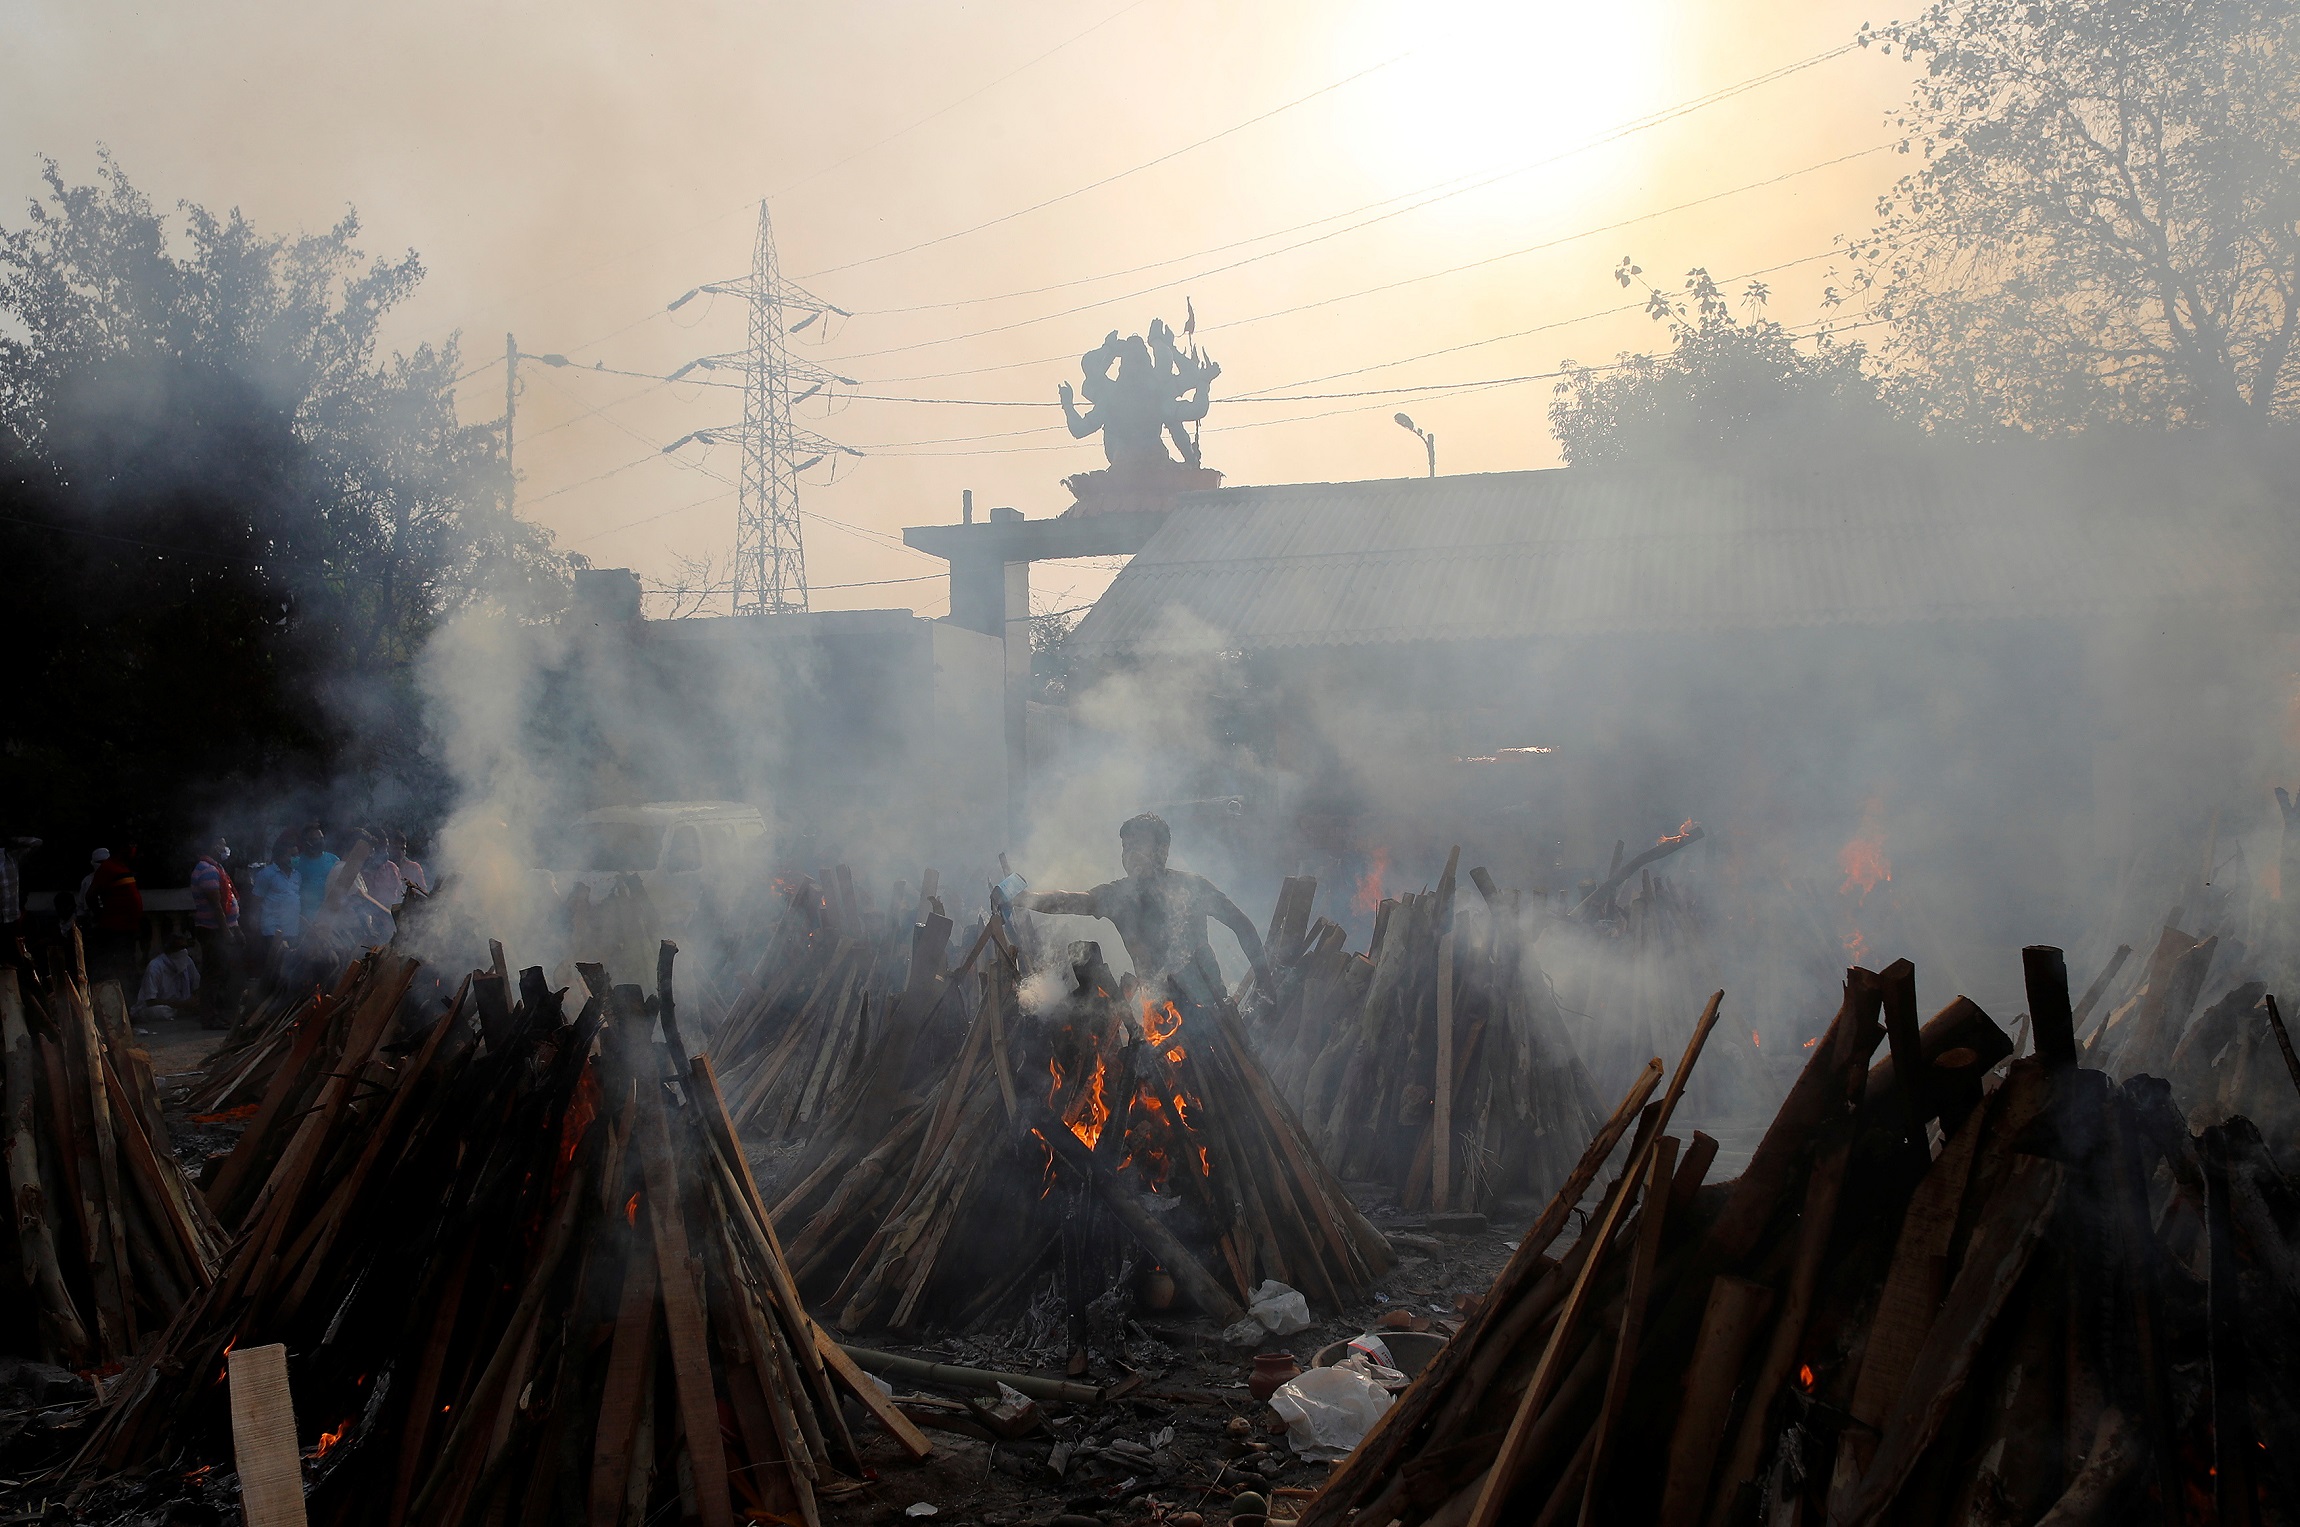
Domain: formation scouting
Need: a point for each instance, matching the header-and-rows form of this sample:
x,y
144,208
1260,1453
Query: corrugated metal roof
x,y
2056,530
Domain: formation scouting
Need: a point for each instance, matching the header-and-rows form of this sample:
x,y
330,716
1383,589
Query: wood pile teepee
x,y
814,1020
1108,1120
1935,1295
521,1273
107,1238
1436,1062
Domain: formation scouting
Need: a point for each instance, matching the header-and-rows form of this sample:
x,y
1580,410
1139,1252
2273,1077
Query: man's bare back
x,y
1161,913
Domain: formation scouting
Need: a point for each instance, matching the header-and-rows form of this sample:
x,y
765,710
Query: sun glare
x,y
1490,85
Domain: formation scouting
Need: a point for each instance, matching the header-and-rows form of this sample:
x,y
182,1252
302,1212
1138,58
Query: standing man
x,y
1161,914
216,924
279,907
313,864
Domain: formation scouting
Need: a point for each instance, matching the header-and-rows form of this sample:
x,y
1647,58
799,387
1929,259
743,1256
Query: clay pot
x,y
1271,1369
1158,1289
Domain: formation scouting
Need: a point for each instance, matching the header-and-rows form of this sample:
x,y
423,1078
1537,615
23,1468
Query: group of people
x,y
303,904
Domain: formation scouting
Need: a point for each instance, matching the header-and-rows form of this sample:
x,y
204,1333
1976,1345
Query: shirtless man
x,y
1161,913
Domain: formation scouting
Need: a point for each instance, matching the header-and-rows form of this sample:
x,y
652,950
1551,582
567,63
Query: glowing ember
x,y
1755,1041
1863,856
229,1115
1808,1044
631,1209
1369,896
1685,830
1805,1377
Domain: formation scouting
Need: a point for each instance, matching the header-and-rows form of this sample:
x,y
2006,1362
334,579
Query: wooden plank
x,y
858,1383
1652,1219
630,1364
263,1437
154,1177
61,1328
380,1134
1516,1443
1905,1305
684,1321
1441,1125
103,1224
1818,1094
2045,969
1728,1325
2011,1225
1899,1000
1813,1230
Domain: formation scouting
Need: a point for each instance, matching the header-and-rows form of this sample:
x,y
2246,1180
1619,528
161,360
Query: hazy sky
x,y
566,170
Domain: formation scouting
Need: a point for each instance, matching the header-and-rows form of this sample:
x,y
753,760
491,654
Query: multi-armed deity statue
x,y
1156,389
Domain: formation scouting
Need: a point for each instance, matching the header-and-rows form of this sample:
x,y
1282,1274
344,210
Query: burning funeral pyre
x,y
520,1268
1111,1128
1925,1300
1435,1062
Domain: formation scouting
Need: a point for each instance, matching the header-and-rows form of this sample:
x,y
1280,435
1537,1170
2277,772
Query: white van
x,y
680,850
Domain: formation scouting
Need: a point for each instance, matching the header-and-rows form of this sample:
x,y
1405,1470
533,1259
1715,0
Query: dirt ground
x,y
1168,1448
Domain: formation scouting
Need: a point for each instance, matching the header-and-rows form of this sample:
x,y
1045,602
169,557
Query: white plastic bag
x,y
1282,1310
1328,1410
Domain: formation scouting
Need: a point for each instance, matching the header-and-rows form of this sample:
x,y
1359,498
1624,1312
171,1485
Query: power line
x,y
1512,254
1433,193
1187,148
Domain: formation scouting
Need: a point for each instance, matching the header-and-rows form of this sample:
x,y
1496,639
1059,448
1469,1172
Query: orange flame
x,y
1161,1025
1863,856
1754,1041
1805,1377
1369,895
1808,1044
631,1209
1091,1111
330,1439
1177,1055
1857,948
1684,831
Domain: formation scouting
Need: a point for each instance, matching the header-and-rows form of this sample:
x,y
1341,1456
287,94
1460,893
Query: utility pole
x,y
770,574
510,408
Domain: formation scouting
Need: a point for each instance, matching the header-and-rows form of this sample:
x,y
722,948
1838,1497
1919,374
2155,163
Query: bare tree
x,y
2104,226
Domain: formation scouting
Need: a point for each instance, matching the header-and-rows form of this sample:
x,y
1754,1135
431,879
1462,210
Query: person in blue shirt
x,y
313,864
279,906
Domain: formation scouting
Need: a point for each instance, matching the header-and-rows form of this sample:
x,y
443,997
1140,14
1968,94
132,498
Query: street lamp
x,y
1429,440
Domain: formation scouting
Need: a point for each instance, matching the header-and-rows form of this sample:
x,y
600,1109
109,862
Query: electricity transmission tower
x,y
770,573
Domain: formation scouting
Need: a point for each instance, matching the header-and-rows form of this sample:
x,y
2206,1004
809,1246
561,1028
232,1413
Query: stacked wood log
x,y
811,1024
521,1272
1437,1061
1108,1118
1945,1290
2190,1003
1632,959
107,1238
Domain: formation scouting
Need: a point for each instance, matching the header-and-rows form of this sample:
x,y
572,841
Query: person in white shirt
x,y
171,986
